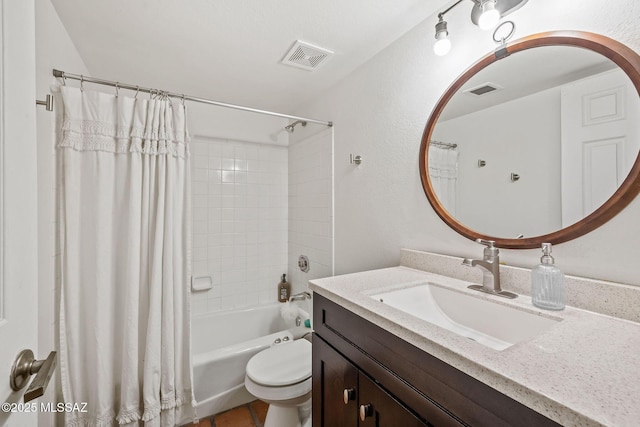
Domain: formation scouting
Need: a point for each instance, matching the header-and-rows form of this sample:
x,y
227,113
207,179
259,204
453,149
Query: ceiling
x,y
231,50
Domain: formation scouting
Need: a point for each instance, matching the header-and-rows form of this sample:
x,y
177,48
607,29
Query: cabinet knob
x,y
366,411
348,395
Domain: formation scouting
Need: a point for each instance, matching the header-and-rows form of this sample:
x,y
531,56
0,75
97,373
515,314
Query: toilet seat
x,y
281,365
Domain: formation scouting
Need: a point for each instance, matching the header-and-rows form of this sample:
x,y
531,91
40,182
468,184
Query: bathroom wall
x,y
310,205
54,49
240,221
380,111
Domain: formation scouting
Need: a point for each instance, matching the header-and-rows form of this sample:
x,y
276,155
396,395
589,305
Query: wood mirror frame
x,y
621,55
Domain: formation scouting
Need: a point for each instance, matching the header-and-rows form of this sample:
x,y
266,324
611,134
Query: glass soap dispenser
x,y
547,282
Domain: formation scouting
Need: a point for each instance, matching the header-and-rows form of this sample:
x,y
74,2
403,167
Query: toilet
x,y
281,377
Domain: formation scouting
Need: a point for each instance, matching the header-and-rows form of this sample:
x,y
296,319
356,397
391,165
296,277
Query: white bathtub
x,y
223,343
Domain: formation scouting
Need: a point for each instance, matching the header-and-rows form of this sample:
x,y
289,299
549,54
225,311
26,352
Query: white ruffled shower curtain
x,y
125,259
443,171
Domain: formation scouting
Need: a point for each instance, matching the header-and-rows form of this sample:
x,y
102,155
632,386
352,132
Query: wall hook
x,y
355,160
514,177
48,102
482,163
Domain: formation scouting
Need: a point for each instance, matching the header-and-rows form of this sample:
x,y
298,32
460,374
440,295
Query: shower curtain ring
x,y
64,80
117,89
81,83
183,99
137,90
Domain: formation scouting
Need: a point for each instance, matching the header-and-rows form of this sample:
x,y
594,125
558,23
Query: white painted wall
x,y
380,111
520,136
230,124
310,206
54,49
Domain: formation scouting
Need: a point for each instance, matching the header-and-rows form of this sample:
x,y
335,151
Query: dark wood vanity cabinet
x,y
360,367
348,397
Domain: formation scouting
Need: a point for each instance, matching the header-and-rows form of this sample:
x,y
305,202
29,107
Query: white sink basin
x,y
495,325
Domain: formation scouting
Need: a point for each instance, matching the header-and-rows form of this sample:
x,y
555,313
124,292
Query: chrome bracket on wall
x,y
48,103
355,160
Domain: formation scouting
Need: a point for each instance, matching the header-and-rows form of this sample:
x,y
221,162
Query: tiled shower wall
x,y
240,221
311,208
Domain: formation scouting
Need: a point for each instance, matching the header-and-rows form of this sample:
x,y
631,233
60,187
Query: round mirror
x,y
538,142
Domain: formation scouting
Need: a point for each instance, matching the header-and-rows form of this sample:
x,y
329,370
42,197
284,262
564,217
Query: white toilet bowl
x,y
281,377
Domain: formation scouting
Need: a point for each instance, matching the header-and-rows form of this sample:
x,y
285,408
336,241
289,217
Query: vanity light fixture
x,y
485,14
443,44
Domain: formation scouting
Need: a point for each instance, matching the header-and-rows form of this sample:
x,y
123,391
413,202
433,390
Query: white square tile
x,y
228,189
214,226
200,214
199,201
214,177
200,227
199,188
240,151
200,175
199,240
199,268
215,149
200,254
228,202
228,164
240,177
226,227
200,162
199,148
215,189
228,176
252,153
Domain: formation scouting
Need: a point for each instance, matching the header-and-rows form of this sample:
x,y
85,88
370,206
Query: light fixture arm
x,y
441,14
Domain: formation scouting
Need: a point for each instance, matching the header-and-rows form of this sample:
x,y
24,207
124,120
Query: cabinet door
x,y
335,380
379,409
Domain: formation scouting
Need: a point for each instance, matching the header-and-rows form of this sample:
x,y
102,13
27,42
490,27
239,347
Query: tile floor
x,y
249,415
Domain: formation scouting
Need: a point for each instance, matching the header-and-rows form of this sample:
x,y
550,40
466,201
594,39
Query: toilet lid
x,y
282,364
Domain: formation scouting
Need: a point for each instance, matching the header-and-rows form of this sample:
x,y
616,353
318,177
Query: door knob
x,y
348,394
26,365
366,411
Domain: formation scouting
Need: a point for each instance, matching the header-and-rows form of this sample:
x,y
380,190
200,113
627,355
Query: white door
x,y
600,141
18,201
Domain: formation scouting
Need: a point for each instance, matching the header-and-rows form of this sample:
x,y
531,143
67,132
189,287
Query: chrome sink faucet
x,y
490,266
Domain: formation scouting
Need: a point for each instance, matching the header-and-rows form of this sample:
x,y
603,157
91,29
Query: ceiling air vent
x,y
483,89
306,56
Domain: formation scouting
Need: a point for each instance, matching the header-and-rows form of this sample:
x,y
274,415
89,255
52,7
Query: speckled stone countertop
x,y
584,371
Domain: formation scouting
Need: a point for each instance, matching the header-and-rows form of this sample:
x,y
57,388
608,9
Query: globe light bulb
x,y
489,16
442,46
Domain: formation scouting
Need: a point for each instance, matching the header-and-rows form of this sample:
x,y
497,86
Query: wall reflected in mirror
x,y
562,118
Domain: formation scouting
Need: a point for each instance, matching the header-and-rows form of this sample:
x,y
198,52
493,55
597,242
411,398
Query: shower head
x,y
290,128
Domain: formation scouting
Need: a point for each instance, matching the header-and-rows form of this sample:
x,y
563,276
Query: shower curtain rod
x,y
443,144
64,75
